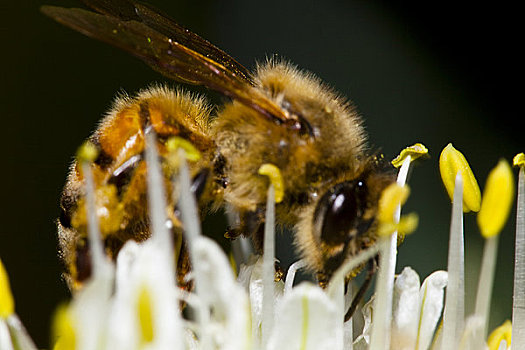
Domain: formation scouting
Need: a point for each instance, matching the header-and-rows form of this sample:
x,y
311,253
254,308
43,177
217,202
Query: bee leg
x,y
198,183
372,268
184,267
180,250
249,226
79,267
83,265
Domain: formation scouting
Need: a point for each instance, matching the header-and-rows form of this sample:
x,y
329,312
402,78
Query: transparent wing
x,y
173,51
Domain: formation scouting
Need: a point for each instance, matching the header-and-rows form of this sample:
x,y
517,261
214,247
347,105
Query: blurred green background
x,y
418,72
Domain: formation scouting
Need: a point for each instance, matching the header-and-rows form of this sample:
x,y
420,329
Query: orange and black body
x,y
277,114
120,174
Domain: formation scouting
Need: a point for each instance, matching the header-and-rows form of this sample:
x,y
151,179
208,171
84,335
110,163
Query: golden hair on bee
x,y
338,142
277,115
119,170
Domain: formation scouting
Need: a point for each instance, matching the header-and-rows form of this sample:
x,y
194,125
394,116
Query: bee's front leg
x,y
250,225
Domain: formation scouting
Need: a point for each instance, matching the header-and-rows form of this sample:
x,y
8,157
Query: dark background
x,y
419,72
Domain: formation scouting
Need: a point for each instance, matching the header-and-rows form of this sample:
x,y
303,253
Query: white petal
x,y
245,272
306,319
90,311
126,258
156,272
5,338
431,296
336,293
230,328
19,334
213,273
405,315
191,341
363,341
123,323
142,266
255,288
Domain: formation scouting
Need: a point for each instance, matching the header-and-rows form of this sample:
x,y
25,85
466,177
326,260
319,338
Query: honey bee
x,y
277,114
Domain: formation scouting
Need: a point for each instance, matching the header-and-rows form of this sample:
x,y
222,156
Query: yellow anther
x,y
519,160
145,315
63,329
415,151
386,228
408,223
191,153
497,200
451,162
392,197
503,332
88,152
7,303
276,179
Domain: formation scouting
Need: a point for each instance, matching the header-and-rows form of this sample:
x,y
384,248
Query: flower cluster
x,y
136,304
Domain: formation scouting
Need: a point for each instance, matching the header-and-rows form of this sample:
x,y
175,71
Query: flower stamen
x,y
451,162
63,329
190,151
391,199
497,200
495,208
502,333
7,303
518,305
415,151
274,174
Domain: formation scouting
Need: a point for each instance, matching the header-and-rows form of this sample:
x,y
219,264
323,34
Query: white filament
x,y
187,202
157,198
380,338
518,306
455,295
268,267
485,284
98,258
290,276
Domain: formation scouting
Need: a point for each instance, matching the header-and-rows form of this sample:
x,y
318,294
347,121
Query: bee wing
x,y
173,51
127,10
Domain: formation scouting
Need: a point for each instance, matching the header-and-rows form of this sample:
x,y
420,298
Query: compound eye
x,y
339,212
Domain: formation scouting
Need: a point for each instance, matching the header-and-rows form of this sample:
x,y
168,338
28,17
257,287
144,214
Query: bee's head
x,y
343,221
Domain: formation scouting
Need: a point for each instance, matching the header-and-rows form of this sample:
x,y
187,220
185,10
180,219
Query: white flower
x,y
251,278
135,303
223,298
416,311
13,335
306,319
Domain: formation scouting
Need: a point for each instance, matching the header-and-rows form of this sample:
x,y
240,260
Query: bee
x,y
277,114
